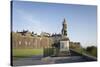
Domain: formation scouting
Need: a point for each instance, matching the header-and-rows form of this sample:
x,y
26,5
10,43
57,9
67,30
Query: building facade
x,y
26,39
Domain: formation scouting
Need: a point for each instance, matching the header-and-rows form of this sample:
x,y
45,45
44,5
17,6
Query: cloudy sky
x,y
46,17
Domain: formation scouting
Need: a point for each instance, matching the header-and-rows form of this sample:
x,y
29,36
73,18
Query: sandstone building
x,y
26,39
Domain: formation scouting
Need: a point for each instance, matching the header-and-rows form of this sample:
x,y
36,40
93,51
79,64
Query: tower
x,y
64,28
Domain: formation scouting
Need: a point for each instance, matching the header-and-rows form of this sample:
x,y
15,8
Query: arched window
x,y
19,42
29,43
26,43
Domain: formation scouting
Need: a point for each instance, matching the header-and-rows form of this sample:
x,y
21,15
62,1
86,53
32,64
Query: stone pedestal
x,y
64,47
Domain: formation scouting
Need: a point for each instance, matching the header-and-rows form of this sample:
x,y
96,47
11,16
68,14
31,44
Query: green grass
x,y
81,50
26,52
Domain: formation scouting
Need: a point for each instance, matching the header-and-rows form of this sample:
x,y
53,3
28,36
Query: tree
x,y
92,50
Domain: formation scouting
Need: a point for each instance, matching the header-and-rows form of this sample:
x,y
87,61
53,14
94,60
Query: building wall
x,y
19,41
74,45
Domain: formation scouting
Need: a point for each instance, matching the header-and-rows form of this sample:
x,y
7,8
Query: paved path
x,y
48,60
39,60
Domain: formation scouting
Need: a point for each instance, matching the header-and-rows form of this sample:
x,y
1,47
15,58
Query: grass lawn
x,y
81,50
26,52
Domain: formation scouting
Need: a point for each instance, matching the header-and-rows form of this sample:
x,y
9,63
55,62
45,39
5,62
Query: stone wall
x,y
19,41
74,45
28,41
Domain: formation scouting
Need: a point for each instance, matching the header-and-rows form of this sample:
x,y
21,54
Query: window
x,y
26,43
19,42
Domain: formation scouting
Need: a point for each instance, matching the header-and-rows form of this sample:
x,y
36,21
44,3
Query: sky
x,y
48,17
